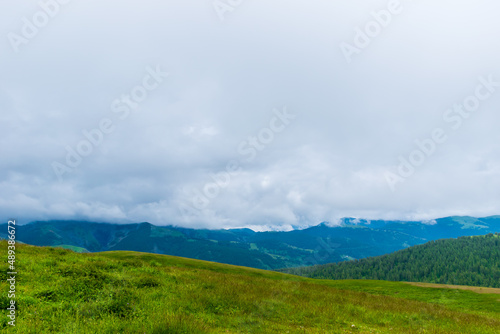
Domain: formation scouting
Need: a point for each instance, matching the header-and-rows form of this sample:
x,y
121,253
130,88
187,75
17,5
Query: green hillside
x,y
471,261
59,291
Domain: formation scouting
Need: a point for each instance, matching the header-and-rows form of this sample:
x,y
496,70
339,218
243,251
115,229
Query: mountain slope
x,y
129,292
352,239
471,261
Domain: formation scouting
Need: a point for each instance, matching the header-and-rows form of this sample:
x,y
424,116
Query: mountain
x,y
60,291
321,244
473,261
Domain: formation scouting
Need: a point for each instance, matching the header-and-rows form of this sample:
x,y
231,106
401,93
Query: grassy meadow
x,y
60,291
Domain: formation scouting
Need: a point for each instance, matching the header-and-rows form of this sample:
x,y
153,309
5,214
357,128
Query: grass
x,y
60,291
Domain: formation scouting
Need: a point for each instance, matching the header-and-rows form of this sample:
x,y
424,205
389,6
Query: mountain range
x,y
321,244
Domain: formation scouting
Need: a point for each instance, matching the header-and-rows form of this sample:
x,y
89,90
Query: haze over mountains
x,y
321,244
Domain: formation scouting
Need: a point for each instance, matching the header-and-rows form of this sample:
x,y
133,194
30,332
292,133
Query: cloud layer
x,y
211,145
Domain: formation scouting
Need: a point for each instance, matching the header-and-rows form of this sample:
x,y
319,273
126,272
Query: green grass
x,y
60,291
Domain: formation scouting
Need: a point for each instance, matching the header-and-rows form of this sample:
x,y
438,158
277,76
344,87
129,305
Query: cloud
x,y
226,81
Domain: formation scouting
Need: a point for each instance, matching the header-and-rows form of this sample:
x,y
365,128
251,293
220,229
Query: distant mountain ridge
x,y
321,244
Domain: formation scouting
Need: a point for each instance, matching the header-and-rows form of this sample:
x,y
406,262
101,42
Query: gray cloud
x,y
353,120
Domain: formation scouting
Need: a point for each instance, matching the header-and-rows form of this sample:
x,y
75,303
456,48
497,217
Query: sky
x,y
235,113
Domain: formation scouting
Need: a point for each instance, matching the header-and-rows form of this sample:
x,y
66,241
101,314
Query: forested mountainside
x,y
471,261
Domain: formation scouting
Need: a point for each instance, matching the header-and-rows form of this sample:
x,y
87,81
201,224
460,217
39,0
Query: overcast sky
x,y
268,114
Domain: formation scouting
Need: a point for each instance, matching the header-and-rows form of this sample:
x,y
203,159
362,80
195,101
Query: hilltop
x,y
471,261
61,291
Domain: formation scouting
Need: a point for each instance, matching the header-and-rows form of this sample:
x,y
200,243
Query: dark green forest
x,y
473,261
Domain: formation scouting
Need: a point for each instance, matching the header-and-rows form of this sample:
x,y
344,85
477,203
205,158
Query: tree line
x,y
473,261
